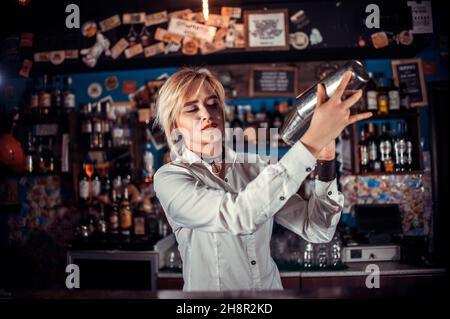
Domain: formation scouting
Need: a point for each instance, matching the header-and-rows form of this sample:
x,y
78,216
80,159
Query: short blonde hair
x,y
174,91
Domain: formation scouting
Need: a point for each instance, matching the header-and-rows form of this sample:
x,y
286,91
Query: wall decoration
x,y
315,37
266,30
156,18
273,81
91,55
299,40
154,49
408,75
110,23
26,68
94,90
118,48
111,83
192,29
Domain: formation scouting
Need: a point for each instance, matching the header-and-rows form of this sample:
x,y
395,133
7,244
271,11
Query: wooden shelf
x,y
414,172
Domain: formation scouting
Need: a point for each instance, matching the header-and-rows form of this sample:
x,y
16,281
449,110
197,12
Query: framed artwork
x,y
266,29
408,76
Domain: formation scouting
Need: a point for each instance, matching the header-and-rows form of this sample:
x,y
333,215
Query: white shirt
x,y
223,227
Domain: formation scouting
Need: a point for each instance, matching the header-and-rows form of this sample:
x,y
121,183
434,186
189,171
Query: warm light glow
x,y
205,9
23,2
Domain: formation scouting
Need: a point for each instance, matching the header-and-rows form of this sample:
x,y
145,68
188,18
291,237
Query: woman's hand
x,y
331,117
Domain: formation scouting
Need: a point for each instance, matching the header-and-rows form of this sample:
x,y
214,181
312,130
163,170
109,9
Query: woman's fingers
x,y
348,103
321,94
341,87
358,117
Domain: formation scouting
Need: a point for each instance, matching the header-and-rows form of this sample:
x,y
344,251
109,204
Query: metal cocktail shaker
x,y
297,121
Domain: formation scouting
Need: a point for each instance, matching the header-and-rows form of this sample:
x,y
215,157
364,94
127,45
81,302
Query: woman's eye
x,y
213,105
192,110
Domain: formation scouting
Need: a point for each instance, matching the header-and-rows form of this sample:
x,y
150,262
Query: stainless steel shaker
x,y
298,119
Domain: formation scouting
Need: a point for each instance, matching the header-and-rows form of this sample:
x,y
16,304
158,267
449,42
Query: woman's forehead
x,y
199,91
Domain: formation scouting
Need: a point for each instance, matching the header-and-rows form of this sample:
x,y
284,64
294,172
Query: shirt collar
x,y
185,155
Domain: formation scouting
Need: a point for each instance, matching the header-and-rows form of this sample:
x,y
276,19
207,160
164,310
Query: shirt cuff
x,y
298,161
326,170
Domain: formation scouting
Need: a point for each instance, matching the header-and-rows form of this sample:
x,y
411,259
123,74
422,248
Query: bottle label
x,y
114,222
29,164
86,127
45,99
385,150
96,187
139,226
34,101
364,155
125,219
84,189
69,100
373,152
372,100
394,100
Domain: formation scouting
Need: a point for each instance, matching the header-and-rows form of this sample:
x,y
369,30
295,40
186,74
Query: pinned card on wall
x,y
111,83
156,18
128,86
94,90
26,40
26,68
110,23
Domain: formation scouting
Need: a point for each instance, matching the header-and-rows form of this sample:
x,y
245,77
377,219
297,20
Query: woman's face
x,y
201,121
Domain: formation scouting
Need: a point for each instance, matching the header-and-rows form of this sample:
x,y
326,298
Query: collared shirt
x,y
223,226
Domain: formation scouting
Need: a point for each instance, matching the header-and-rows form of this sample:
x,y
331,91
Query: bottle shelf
x,y
413,172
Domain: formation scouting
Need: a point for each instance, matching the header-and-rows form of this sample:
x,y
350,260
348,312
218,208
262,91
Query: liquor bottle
x,y
69,100
41,156
97,135
86,125
102,227
386,148
394,97
139,223
405,103
45,99
382,98
374,160
400,149
371,94
50,156
89,170
106,188
56,97
409,149
83,185
126,215
363,152
29,157
34,99
113,218
96,182
106,125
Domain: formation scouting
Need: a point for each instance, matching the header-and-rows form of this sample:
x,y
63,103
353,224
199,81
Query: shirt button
x,y
226,179
282,198
308,169
253,262
330,192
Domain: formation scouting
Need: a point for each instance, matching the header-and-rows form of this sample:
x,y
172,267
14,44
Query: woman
x,y
221,205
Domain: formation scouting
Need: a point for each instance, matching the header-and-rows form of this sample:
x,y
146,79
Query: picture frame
x,y
408,73
273,81
266,29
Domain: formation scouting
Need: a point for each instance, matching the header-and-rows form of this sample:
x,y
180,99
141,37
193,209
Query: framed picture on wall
x,y
266,29
408,76
273,81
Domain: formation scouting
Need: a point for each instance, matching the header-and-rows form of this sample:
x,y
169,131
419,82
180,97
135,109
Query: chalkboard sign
x,y
273,81
408,75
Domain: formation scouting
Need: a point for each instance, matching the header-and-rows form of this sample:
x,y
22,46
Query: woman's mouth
x,y
211,125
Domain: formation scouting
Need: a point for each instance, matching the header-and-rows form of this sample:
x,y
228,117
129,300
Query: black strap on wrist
x,y
326,170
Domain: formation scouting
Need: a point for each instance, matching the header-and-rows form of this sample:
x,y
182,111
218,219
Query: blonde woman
x,y
221,204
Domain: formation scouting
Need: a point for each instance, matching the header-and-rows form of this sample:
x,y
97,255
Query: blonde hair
x,y
174,91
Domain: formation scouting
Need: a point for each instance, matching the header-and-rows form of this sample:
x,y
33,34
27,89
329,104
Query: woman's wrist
x,y
314,145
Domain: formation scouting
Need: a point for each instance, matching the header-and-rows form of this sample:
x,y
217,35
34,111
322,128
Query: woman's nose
x,y
204,113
